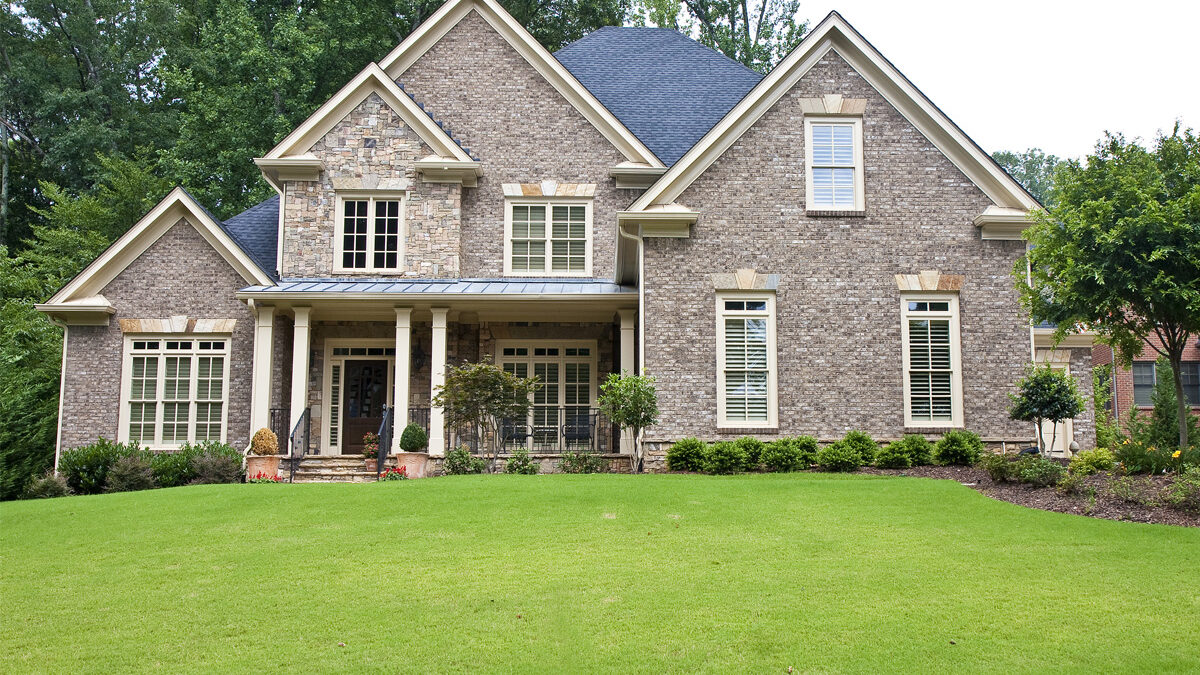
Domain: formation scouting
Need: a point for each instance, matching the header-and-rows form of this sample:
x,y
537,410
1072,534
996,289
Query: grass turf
x,y
583,573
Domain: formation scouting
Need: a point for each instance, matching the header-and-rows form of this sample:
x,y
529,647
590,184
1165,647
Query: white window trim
x,y
772,420
339,231
548,202
563,345
328,448
860,200
956,379
127,378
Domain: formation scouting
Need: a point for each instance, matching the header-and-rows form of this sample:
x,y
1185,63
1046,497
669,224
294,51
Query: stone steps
x,y
332,469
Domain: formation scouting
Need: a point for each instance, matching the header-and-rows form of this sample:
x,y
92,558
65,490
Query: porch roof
x,y
375,288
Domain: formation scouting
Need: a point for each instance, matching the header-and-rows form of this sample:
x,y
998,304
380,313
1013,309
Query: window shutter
x,y
930,370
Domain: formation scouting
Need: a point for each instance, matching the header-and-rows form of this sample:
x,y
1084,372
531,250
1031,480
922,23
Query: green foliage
x,y
216,468
46,486
839,457
725,457
1089,462
483,395
1120,251
1001,467
686,454
630,402
130,474
1183,492
1134,456
863,444
1046,394
958,447
1133,490
460,461
893,456
172,469
790,454
1161,428
1040,471
392,474
754,450
584,461
86,468
758,35
1071,483
520,463
1033,169
1108,431
918,448
413,438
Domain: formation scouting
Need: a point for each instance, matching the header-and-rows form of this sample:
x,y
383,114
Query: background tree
x,y
1033,169
484,397
1046,395
1120,251
1160,428
631,402
758,34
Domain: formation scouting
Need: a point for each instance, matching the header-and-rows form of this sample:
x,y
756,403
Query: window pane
x,y
529,238
568,233
1143,382
387,234
930,375
354,234
1190,374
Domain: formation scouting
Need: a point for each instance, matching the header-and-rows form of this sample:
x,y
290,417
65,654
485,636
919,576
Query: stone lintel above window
x,y
549,188
929,280
833,104
744,280
177,324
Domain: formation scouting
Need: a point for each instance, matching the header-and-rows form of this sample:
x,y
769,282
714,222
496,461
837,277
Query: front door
x,y
363,398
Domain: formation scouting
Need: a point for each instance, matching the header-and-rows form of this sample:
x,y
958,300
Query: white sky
x,y
1050,74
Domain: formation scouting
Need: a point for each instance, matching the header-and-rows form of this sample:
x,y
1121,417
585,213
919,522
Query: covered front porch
x,y
358,346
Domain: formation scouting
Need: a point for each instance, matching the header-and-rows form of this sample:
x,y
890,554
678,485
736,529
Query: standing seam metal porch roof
x,y
508,286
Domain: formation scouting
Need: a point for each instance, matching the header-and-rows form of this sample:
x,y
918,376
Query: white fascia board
x,y
834,33
450,14
177,204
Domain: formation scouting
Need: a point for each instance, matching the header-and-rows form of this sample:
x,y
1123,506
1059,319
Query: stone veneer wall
x,y
522,130
178,274
838,306
432,211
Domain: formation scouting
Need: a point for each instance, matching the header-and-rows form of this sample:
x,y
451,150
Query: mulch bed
x,y
1104,504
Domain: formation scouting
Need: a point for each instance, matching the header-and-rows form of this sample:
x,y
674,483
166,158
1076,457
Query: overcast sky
x,y
1050,74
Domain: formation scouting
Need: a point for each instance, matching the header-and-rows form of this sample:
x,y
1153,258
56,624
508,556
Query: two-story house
x,y
817,250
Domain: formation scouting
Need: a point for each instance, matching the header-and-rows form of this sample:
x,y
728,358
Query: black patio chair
x,y
580,429
513,434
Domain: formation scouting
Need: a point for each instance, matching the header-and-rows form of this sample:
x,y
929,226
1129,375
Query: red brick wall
x,y
1123,392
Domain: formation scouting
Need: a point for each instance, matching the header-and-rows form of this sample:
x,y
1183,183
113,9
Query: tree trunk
x,y
3,180
1181,405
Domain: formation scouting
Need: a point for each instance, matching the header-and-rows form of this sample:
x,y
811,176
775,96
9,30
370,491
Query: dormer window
x,y
548,238
834,164
370,234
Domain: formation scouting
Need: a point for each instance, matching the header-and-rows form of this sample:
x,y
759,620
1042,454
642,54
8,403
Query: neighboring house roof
x,y
668,89
256,231
476,287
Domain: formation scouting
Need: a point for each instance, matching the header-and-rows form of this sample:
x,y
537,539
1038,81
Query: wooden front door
x,y
364,395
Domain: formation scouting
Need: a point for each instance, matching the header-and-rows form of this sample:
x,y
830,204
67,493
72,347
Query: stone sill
x,y
747,431
836,214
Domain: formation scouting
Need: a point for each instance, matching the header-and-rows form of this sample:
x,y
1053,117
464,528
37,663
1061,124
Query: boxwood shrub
x,y
86,467
893,456
790,454
863,444
839,456
754,449
958,447
918,448
687,454
725,457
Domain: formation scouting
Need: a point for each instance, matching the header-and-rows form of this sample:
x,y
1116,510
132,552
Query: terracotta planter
x,y
372,464
415,463
265,464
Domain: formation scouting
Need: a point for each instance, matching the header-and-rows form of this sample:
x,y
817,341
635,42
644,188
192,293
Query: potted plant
x,y
371,450
413,458
264,454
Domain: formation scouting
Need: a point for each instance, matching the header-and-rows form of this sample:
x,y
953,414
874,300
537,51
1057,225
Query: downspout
x,y
62,389
641,268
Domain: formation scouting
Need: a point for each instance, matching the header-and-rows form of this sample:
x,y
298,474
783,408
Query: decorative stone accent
x,y
833,104
929,281
549,189
744,280
177,324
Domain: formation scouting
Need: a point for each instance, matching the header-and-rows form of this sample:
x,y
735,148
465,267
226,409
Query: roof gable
x,y
178,204
454,11
643,74
834,33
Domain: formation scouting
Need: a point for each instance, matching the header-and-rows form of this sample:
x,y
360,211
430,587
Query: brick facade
x,y
180,274
1121,385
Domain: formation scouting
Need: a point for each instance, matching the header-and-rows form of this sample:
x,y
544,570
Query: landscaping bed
x,y
1134,499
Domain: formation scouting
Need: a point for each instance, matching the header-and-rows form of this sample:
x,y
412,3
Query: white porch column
x,y
402,376
628,363
437,377
299,365
260,387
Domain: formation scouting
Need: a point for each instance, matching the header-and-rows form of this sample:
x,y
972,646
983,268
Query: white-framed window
x,y
933,395
746,371
369,235
834,164
174,390
567,371
548,238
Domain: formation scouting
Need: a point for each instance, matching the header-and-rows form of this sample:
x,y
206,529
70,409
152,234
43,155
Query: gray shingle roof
x,y
255,230
506,286
666,88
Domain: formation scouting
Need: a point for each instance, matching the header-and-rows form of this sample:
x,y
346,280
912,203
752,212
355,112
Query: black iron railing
x,y
385,441
298,442
279,423
547,429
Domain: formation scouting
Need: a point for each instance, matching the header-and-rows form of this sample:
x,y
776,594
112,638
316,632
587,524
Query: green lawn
x,y
585,573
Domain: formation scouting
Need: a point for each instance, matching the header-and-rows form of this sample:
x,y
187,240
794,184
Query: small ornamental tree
x,y
482,396
631,402
1119,253
1046,395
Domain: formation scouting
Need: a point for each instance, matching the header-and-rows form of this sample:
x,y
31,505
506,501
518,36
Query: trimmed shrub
x,y
918,448
86,467
958,447
130,473
1000,466
265,443
413,438
893,456
839,457
47,486
754,449
460,461
1039,471
863,444
687,454
172,469
584,461
1089,462
725,457
520,463
214,462
790,454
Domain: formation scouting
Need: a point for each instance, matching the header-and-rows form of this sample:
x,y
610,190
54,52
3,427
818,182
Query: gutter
x,y
62,388
641,289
